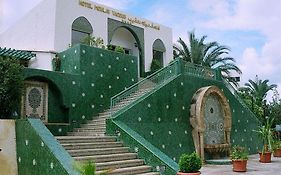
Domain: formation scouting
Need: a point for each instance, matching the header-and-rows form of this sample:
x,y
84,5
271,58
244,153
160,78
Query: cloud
x,y
120,4
251,28
213,8
251,15
262,16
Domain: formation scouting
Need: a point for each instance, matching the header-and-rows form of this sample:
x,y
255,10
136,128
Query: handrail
x,y
157,78
199,71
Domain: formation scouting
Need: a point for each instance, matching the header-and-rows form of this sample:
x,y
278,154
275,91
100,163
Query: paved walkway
x,y
254,167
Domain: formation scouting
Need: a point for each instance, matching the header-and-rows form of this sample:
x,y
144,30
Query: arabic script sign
x,y
124,18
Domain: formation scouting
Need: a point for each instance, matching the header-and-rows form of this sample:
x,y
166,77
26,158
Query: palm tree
x,y
209,54
258,90
254,95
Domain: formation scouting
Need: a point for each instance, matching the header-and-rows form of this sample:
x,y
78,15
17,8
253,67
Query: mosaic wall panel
x,y
213,116
35,100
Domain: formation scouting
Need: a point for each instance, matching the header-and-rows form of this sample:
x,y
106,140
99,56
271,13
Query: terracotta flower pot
x,y
265,157
181,173
239,165
277,152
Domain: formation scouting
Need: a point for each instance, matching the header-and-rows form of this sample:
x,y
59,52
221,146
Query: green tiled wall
x,y
102,74
152,155
88,78
38,152
162,118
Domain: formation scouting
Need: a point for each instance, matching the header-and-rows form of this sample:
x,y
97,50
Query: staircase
x,y
90,143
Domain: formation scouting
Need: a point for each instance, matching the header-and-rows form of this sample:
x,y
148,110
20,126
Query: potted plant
x,y
239,157
189,164
266,134
276,146
88,168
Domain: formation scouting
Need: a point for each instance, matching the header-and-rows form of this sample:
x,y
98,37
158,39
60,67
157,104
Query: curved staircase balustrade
x,y
139,89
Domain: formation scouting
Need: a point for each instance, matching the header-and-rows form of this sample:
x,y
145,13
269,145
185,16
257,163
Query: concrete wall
x,y
35,31
8,159
43,60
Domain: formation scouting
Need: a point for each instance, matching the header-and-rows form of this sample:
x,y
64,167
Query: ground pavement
x,y
254,167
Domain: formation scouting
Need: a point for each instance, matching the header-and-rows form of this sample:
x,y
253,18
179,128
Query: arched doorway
x,y
123,37
158,52
81,28
211,122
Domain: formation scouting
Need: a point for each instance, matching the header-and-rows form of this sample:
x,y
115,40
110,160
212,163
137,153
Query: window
x,y
81,28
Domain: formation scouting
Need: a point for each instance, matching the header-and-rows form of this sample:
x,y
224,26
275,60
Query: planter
x,y
265,157
181,173
277,152
239,165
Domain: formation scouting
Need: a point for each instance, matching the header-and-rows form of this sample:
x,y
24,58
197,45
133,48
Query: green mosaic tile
x,y
38,152
88,78
162,118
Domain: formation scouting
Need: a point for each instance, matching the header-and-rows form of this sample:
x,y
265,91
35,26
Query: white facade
x,y
48,28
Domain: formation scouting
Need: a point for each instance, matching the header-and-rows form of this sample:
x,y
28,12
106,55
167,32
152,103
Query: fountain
x,y
211,122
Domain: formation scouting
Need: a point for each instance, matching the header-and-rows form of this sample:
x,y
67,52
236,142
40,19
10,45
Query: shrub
x,y
190,163
11,84
119,49
89,168
93,41
56,63
266,134
110,47
155,65
238,153
276,145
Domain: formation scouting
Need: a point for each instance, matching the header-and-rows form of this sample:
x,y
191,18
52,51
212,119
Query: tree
x,y
275,112
209,54
257,90
275,108
11,83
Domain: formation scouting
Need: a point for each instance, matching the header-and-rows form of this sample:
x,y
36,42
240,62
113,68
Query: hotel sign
x,y
122,16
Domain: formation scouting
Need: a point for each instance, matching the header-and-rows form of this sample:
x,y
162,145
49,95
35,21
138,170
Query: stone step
x,y
89,129
103,116
96,133
97,120
105,113
129,170
85,139
98,151
73,146
150,173
119,164
101,126
96,124
107,158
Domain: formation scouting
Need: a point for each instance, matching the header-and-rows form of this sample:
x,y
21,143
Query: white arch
x,y
80,28
124,38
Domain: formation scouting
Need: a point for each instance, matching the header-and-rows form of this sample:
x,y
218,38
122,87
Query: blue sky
x,y
251,28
